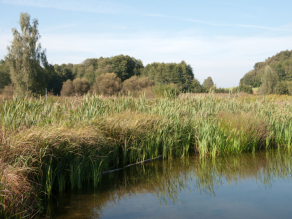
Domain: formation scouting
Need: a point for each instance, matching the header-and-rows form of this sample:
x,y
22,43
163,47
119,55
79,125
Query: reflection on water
x,y
249,185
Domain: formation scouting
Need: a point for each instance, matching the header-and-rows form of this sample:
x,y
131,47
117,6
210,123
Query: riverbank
x,y
65,143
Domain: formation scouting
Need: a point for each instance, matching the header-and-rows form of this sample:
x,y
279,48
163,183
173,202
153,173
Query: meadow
x,y
59,144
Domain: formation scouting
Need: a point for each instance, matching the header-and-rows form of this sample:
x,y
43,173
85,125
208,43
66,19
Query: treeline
x,y
110,76
276,69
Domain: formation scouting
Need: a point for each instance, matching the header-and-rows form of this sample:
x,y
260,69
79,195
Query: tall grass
x,y
65,143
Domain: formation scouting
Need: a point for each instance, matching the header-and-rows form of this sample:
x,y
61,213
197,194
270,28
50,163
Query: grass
x,y
65,143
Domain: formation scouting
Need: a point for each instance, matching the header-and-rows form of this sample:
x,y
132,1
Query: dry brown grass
x,y
18,194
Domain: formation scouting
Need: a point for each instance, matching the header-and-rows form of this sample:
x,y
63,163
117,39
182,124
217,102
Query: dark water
x,y
246,186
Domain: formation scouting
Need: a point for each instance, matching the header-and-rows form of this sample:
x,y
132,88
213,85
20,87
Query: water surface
x,y
246,186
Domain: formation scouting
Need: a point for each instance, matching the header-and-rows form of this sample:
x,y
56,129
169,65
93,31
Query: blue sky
x,y
221,39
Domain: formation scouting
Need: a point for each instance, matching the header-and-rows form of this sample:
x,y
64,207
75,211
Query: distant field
x,y
255,90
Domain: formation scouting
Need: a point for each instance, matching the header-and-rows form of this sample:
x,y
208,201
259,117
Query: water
x,y
246,186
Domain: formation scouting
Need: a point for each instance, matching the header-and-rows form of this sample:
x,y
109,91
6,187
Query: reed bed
x,y
65,143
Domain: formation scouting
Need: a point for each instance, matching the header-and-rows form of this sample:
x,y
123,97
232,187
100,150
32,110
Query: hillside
x,y
281,63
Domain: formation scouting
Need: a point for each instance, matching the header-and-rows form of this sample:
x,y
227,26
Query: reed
x,y
65,143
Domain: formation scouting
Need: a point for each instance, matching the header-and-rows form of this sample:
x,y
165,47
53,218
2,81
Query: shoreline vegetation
x,y
59,144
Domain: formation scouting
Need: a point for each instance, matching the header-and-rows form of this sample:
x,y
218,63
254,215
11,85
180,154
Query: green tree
x,y
26,58
4,74
281,88
125,66
269,81
195,86
208,83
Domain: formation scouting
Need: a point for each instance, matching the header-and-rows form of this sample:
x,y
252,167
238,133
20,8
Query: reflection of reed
x,y
168,178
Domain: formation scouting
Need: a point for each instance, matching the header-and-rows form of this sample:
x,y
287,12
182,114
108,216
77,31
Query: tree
x,y
269,81
281,88
4,74
25,57
125,66
195,87
208,83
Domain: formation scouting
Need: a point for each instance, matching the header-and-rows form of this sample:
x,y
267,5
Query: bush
x,y
208,83
281,88
67,88
81,86
108,84
242,88
135,85
166,90
221,90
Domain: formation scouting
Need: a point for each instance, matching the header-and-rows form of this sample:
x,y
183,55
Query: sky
x,y
221,39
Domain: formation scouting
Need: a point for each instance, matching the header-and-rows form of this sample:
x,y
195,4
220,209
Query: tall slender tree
x,y
26,57
269,81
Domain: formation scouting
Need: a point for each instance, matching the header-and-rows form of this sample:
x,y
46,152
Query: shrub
x,y
208,83
67,88
281,88
81,86
135,85
243,88
221,90
166,90
108,84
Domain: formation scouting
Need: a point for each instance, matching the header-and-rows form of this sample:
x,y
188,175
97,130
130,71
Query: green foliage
x,y
280,63
123,66
269,81
281,88
208,83
55,82
166,90
4,74
196,87
243,88
180,74
25,58
108,84
65,71
221,90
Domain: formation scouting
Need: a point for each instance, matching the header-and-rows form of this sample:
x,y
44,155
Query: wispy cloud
x,y
106,7
220,24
